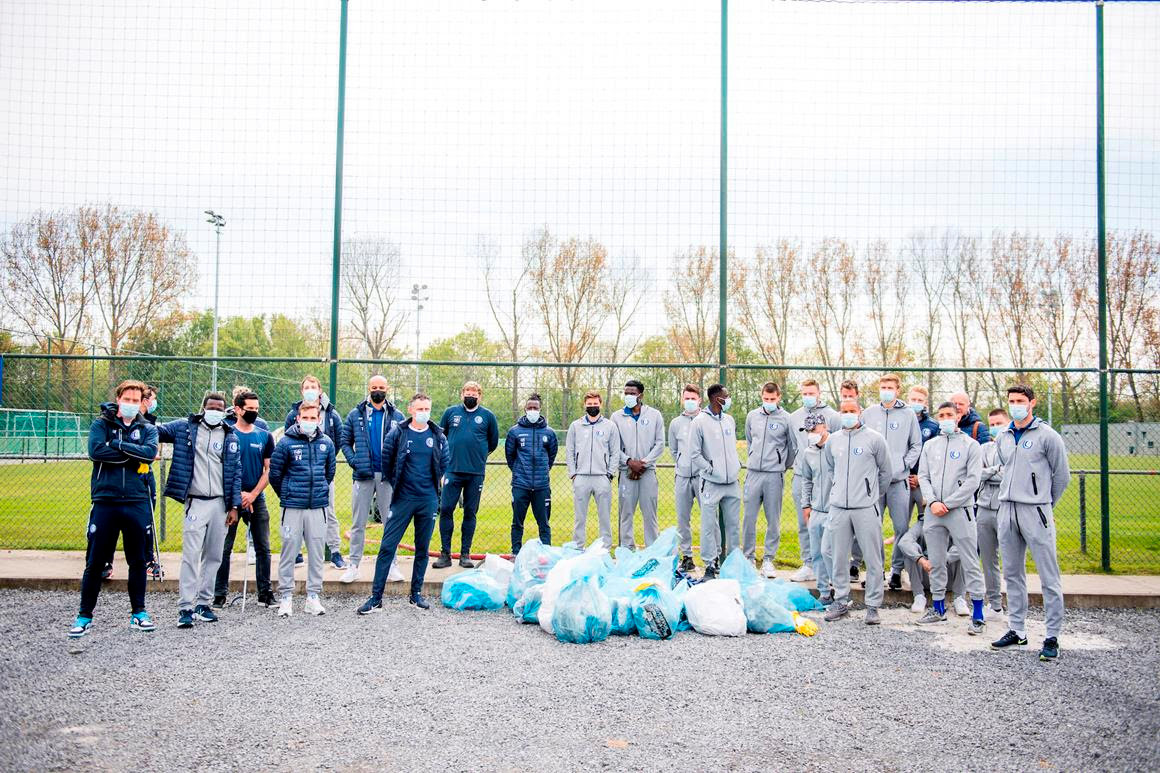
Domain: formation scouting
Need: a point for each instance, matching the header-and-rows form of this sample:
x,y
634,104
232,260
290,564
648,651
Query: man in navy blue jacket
x,y
122,445
530,448
364,433
301,471
415,458
472,433
330,422
206,477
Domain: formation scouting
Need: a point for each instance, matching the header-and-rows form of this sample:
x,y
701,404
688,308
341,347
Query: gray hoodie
x,y
949,470
817,480
899,427
770,441
859,465
593,447
640,438
797,421
1035,470
992,476
713,447
679,429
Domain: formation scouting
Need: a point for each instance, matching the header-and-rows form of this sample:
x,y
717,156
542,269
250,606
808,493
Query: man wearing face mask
x,y
969,420
771,450
331,424
642,441
364,434
257,446
917,399
530,449
685,488
812,405
713,456
860,466
206,477
593,456
987,513
897,424
415,458
949,474
121,442
1035,475
472,433
816,485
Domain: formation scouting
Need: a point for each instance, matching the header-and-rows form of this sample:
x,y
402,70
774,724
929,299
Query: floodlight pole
x,y
218,222
1102,292
336,257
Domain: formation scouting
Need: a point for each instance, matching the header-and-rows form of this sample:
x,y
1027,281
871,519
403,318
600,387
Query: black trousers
x,y
259,522
107,522
541,502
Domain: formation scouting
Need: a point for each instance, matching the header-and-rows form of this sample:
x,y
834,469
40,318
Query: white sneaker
x,y
919,605
350,575
961,608
286,608
990,613
313,606
767,567
804,574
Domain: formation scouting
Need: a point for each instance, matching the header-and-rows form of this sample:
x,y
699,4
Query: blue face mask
x,y
727,404
692,405
917,407
630,401
308,427
849,420
129,410
996,430
809,401
886,395
947,426
1018,411
422,416
769,407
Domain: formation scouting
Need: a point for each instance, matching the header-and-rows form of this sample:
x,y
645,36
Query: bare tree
x,y
370,269
981,279
765,295
961,302
1133,281
833,322
1014,259
1061,308
930,272
504,302
626,286
887,286
691,305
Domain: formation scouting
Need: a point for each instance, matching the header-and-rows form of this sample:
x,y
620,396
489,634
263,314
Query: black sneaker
x,y
219,602
298,559
895,582
1008,640
266,600
1050,649
710,571
185,618
465,561
442,562
853,574
107,572
418,600
686,565
370,606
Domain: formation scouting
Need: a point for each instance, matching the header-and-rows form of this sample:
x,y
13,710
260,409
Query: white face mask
x,y
310,395
849,420
213,418
630,401
817,439
533,416
422,416
308,427
886,395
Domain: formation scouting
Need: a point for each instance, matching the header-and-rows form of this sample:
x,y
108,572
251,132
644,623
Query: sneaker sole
x,y
930,622
1008,647
370,611
80,635
1048,658
185,625
201,619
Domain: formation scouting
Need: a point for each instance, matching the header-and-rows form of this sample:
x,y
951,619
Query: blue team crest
x,y
857,451
322,446
136,434
430,443
1028,443
233,447
956,454
644,422
217,446
774,425
893,425
599,433
479,420
926,433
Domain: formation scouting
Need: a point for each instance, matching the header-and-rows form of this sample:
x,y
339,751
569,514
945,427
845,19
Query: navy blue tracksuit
x,y
471,437
530,449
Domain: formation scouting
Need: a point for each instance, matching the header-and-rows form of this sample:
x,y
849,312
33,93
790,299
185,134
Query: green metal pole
x,y
723,211
336,263
1102,261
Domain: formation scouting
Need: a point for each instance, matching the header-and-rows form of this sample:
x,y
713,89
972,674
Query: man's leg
x,y
361,493
868,526
773,491
964,534
521,498
898,500
827,553
752,492
581,491
102,535
683,494
841,529
472,493
260,534
710,528
137,531
1011,542
542,510
817,527
449,500
193,539
424,515
730,505
937,536
291,543
211,553
602,493
1041,542
222,583
649,493
333,537
394,526
314,530
987,534
803,527
629,496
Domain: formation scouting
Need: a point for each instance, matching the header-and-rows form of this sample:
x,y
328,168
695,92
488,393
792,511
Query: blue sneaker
x,y
336,559
141,621
80,627
298,559
204,614
370,606
1050,649
419,600
185,618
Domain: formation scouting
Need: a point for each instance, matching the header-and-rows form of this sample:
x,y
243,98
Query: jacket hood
x,y
898,403
195,418
540,424
971,417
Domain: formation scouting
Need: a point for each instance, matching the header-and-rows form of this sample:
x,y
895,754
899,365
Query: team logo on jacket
x,y
233,447
956,454
644,422
136,434
297,451
217,446
322,447
479,420
544,440
599,433
430,442
1028,443
893,425
926,433
455,421
857,451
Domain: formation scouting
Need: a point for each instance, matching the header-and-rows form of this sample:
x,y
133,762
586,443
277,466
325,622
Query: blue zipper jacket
x,y
183,435
118,451
394,451
531,451
356,437
302,468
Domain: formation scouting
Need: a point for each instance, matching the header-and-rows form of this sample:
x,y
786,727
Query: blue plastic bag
x,y
737,567
532,565
527,609
663,546
763,613
473,589
582,614
656,611
638,568
619,593
795,597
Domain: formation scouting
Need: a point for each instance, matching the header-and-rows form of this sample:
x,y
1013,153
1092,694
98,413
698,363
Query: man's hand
x,y
806,514
637,467
913,481
232,517
938,508
924,562
248,500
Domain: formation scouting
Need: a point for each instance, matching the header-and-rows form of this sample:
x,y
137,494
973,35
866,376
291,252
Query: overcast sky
x,y
595,118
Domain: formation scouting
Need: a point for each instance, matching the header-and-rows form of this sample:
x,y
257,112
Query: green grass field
x,y
45,505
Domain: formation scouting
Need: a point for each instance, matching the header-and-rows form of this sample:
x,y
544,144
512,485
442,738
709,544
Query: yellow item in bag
x,y
804,625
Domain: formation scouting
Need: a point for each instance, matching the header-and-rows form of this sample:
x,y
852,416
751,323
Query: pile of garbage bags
x,y
584,596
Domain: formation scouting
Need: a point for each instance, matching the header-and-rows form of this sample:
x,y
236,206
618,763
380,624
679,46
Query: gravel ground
x,y
416,690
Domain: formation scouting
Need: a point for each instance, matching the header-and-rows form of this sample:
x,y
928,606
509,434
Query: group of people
x,y
982,490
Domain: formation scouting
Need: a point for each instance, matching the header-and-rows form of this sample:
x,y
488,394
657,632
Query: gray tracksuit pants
x,y
1023,528
597,487
915,503
763,489
727,497
203,539
803,527
638,493
333,538
362,491
867,525
896,499
939,531
685,493
299,525
987,531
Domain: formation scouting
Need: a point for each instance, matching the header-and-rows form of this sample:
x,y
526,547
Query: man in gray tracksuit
x,y
771,449
918,564
593,447
896,423
948,474
987,512
812,405
1035,475
816,486
860,466
685,487
642,441
713,456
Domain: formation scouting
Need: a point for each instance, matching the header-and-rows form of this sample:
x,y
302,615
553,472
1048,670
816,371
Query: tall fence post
x,y
336,259
1102,261
1083,513
723,229
47,391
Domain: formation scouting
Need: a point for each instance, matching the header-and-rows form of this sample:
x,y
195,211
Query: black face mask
x,y
592,410
470,402
378,397
249,416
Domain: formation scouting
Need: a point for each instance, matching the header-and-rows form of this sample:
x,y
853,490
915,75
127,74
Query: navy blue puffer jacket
x,y
302,468
356,437
531,452
118,451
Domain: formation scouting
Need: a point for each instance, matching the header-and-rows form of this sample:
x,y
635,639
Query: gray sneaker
x,y
931,617
872,616
975,627
837,610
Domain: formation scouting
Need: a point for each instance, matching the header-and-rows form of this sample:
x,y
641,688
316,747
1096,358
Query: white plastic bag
x,y
499,568
590,562
715,609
